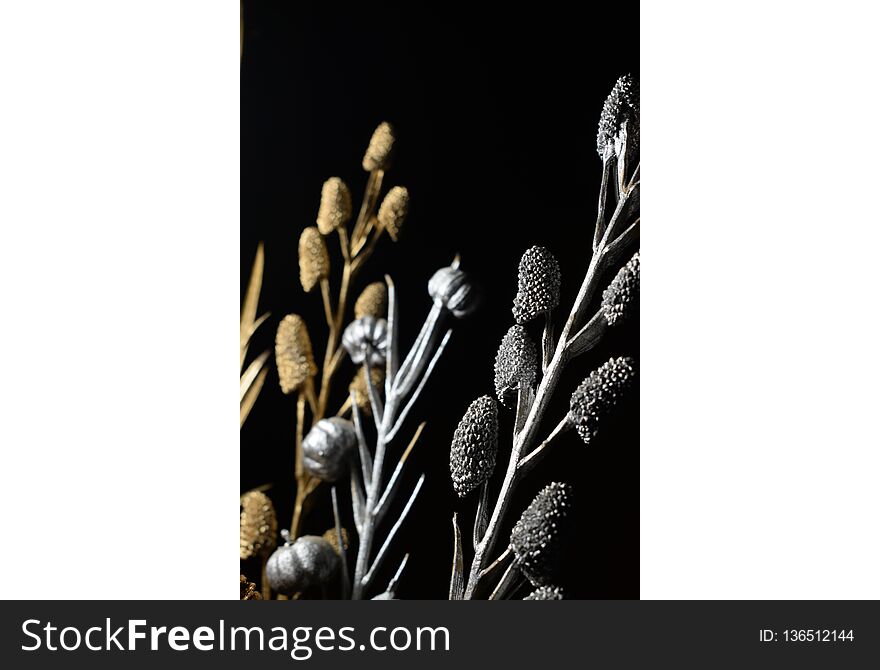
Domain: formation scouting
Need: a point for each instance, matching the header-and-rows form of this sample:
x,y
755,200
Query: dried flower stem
x,y
400,396
525,437
353,260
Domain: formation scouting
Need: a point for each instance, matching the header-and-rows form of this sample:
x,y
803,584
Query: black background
x,y
495,111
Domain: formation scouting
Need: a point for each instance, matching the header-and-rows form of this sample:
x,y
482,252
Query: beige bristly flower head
x,y
314,263
372,302
335,208
359,386
393,210
293,354
258,525
379,150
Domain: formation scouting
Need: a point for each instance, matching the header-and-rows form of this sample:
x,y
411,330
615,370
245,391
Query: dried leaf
x,y
456,583
251,298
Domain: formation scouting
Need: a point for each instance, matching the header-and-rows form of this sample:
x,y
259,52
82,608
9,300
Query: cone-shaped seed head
x,y
359,386
539,281
622,105
330,536
309,562
598,394
335,208
327,447
474,446
516,363
621,299
258,525
379,150
373,301
314,263
393,210
546,593
537,538
293,353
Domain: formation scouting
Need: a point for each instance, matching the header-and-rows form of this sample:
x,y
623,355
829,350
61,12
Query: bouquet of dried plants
x,y
527,376
333,448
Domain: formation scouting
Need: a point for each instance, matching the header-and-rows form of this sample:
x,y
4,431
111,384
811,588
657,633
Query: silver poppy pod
x,y
327,447
366,337
453,289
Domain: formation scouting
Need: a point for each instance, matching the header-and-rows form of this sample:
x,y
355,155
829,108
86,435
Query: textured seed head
x,y
474,446
314,263
247,590
258,525
308,562
330,536
538,285
454,289
327,447
621,299
359,386
366,337
335,208
598,394
537,538
379,150
516,363
621,106
372,302
393,210
546,593
293,353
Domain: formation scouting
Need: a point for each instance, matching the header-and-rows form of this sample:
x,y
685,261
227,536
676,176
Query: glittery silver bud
x,y
621,299
366,338
621,106
546,593
539,281
537,538
327,447
598,394
516,363
453,289
298,566
474,446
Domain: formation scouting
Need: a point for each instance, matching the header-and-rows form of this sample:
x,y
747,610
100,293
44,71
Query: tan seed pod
x,y
359,386
330,536
335,208
258,525
379,150
293,354
393,210
314,263
372,302
247,590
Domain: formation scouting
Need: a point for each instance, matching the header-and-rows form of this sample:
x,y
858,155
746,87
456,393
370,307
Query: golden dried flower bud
x,y
293,354
372,302
247,590
314,263
359,386
379,150
258,525
330,536
335,209
393,210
